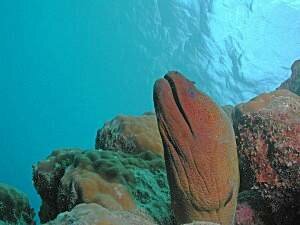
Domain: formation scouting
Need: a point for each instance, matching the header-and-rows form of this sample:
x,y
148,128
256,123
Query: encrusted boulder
x,y
94,214
14,207
47,175
268,140
293,83
112,179
130,134
252,209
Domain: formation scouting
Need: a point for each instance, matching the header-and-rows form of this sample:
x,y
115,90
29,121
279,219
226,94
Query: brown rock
x,y
94,189
268,139
130,134
200,152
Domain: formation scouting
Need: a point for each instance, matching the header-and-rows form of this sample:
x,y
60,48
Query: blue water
x,y
66,67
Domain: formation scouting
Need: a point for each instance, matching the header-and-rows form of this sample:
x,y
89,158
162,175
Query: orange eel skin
x,y
200,152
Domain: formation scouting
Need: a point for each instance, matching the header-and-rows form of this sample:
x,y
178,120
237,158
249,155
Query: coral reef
x,y
268,139
200,152
124,181
130,134
94,214
14,207
293,83
115,180
47,175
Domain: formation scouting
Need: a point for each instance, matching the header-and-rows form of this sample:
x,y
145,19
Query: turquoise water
x,y
66,67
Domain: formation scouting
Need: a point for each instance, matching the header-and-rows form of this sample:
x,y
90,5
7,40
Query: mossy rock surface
x,y
14,206
142,174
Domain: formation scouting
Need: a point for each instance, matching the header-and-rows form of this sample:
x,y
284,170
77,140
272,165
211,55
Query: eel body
x,y
200,152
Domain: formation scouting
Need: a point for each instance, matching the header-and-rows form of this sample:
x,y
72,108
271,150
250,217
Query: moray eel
x,y
200,152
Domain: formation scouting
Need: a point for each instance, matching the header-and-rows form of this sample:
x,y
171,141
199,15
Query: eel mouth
x,y
170,113
170,84
175,93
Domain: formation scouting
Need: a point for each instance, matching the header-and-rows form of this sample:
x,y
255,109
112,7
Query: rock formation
x,y
94,214
14,206
130,134
268,139
200,152
114,180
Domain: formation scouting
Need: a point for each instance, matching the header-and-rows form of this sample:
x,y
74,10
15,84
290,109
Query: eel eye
x,y
191,92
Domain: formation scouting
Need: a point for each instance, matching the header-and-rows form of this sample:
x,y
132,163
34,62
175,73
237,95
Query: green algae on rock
x,y
142,175
14,206
47,175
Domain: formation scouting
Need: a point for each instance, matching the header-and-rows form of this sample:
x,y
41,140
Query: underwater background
x,y
66,67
